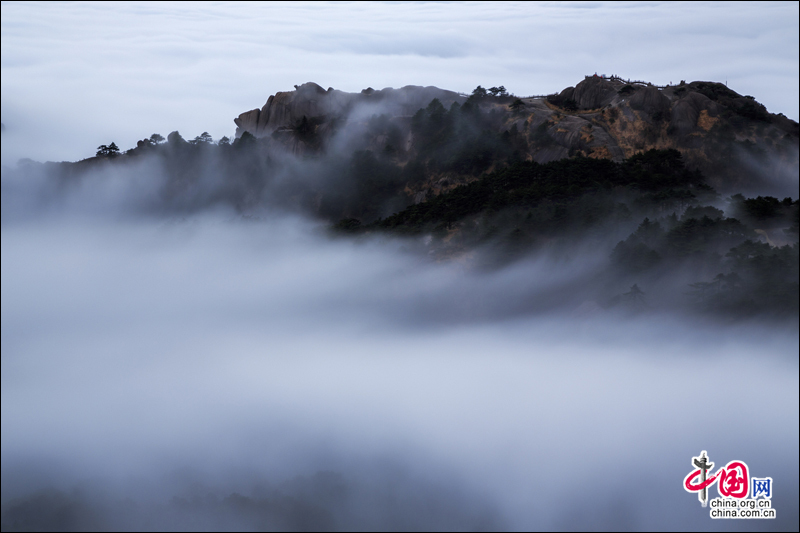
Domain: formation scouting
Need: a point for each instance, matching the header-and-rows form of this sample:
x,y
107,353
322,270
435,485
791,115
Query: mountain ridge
x,y
731,138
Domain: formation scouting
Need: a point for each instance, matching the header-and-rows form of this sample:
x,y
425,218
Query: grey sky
x,y
78,75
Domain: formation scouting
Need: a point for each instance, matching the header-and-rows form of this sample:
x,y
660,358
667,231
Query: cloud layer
x,y
148,360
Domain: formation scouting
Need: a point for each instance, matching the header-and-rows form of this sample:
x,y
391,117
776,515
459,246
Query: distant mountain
x,y
731,138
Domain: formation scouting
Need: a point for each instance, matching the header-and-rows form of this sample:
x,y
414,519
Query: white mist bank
x,y
252,351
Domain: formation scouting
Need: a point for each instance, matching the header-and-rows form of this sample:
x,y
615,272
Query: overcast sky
x,y
76,75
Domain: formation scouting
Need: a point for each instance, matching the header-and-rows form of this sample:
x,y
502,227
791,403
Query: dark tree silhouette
x,y
479,92
204,137
110,150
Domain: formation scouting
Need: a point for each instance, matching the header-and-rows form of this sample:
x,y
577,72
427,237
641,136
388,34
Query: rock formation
x,y
728,136
286,109
593,93
650,101
687,110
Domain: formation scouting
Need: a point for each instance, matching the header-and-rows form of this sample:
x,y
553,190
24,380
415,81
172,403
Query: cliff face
x,y
731,138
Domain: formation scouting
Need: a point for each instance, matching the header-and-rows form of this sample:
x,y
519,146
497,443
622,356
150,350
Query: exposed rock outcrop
x,y
286,109
728,136
687,110
593,92
567,94
649,100
247,121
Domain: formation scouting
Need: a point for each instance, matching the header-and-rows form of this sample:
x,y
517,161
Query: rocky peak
x,y
728,136
286,109
594,92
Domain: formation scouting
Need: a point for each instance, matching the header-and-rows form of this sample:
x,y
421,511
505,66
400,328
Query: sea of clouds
x,y
154,360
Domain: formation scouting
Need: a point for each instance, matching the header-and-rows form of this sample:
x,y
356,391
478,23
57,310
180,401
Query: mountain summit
x,y
731,138
285,109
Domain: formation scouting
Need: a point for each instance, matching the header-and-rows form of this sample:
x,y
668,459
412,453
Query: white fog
x,y
222,354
